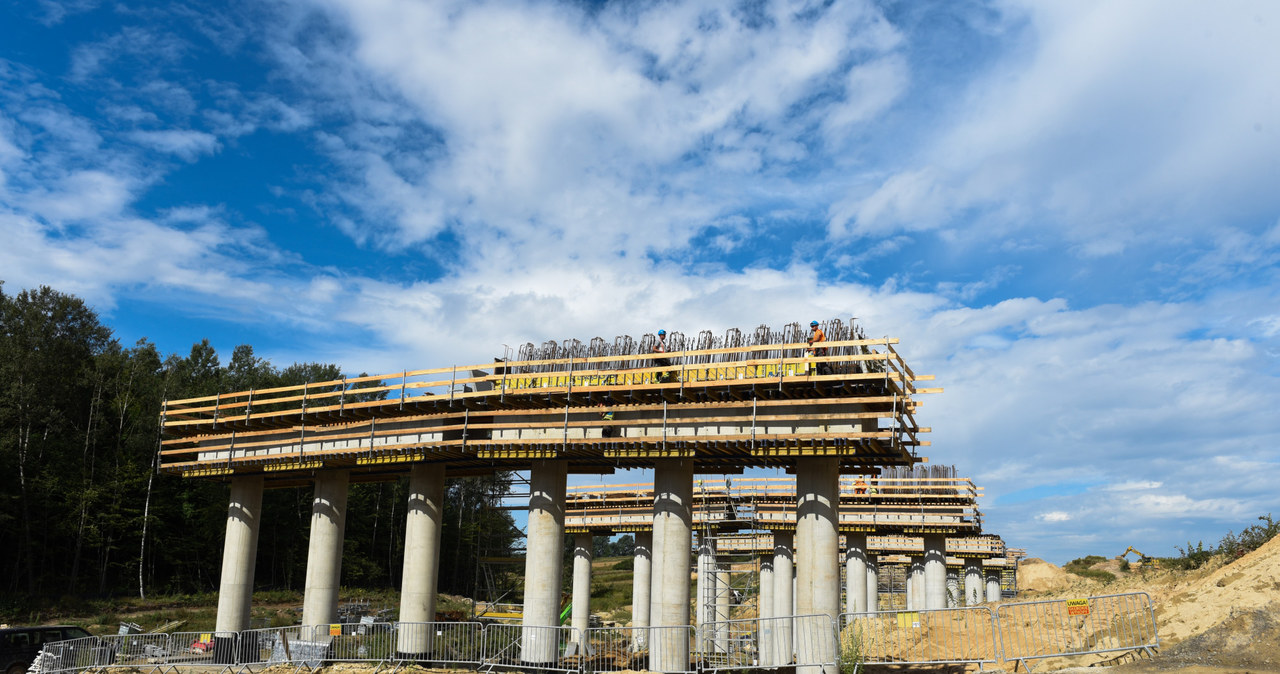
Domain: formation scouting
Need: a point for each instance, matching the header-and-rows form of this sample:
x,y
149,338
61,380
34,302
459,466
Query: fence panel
x,y
1060,627
133,650
201,648
937,636
74,655
523,647
459,643
766,643
613,649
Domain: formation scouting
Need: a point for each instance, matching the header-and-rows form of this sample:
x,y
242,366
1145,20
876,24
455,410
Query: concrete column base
x,y
673,541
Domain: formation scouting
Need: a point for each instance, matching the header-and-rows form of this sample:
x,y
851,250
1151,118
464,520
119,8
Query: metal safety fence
x,y
1063,627
1013,633
653,649
807,641
968,635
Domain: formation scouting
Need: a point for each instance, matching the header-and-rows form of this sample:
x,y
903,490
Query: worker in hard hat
x,y
817,335
661,347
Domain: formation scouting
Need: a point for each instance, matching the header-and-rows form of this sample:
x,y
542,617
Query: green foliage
x,y
851,658
627,564
79,432
1124,565
1191,557
1080,567
1250,539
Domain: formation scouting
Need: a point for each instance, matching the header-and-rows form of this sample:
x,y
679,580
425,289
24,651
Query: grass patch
x,y
1080,567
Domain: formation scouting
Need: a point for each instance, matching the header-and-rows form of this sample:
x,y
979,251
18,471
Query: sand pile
x,y
1037,575
1196,605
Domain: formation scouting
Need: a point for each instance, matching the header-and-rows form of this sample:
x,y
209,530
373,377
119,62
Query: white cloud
x,y
1054,516
185,144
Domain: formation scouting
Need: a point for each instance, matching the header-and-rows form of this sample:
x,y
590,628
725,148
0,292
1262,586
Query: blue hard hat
x,y
813,324
662,332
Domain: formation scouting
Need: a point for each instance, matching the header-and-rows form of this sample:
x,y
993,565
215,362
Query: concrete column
x,y
421,558
324,551
855,572
764,609
673,540
973,590
783,595
817,560
640,584
581,616
873,583
993,586
818,537
239,550
953,588
542,562
916,599
935,571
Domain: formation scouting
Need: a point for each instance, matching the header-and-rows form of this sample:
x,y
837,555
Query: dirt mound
x,y
1196,606
1037,575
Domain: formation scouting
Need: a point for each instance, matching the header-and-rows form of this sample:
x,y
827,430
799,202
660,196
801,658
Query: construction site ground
x,y
1220,618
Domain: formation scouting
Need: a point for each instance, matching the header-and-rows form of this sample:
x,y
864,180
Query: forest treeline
x,y
84,513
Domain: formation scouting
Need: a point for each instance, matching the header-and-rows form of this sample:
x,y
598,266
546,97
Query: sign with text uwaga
x,y
1077,607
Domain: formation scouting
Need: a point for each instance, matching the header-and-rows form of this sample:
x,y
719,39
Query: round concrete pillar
x,y
935,571
640,585
916,595
764,605
582,556
973,590
993,586
705,590
817,560
324,550
239,550
421,558
855,572
673,542
783,597
953,588
542,562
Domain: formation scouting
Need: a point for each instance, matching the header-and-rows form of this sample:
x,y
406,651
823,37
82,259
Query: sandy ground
x,y
1224,618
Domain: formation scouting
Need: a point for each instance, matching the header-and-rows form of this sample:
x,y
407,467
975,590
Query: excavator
x,y
1144,562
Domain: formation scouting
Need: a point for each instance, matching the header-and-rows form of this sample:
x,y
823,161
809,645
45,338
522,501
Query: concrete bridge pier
x,y
421,558
993,585
817,554
915,584
764,603
640,585
324,550
935,571
542,565
783,597
973,590
581,616
855,572
672,540
239,550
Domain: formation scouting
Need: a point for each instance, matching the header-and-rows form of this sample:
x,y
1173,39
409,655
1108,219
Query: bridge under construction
x,y
707,405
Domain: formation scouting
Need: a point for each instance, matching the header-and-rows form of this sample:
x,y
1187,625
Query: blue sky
x,y
1068,212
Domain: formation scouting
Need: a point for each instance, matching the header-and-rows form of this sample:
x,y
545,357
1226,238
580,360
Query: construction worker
x,y
606,415
860,486
661,347
817,335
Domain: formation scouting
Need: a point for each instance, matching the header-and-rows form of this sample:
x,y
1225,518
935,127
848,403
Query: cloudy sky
x,y
1068,212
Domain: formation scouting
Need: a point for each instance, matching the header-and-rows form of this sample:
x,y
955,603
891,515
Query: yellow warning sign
x,y
335,630
1077,607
